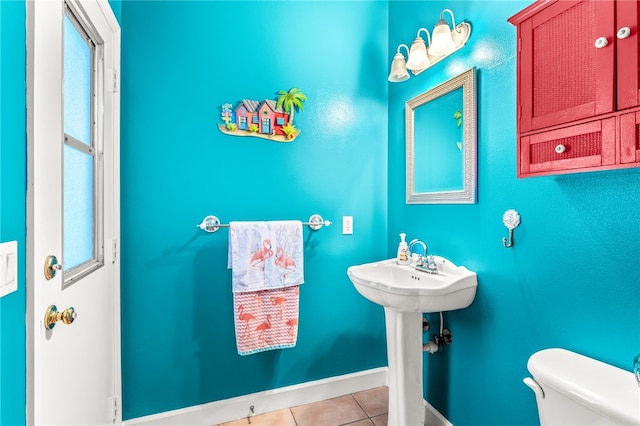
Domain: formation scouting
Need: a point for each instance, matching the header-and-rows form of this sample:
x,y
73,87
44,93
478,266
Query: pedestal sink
x,y
407,293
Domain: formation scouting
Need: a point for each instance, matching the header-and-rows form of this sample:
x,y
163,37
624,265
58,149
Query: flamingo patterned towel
x,y
266,259
265,255
266,319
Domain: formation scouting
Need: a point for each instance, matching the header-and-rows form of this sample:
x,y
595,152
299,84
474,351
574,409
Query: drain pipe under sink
x,y
430,346
444,337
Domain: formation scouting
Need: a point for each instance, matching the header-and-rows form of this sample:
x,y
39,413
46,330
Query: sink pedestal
x,y
404,352
405,294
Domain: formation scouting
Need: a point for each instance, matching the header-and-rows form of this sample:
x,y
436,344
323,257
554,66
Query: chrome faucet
x,y
423,256
425,263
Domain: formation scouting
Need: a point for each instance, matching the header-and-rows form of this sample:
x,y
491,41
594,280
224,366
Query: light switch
x,y
8,267
12,268
347,225
3,272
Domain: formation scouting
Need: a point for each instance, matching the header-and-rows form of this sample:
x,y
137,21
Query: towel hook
x,y
511,219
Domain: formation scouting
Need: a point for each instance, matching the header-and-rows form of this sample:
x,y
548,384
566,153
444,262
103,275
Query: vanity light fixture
x,y
399,66
418,58
444,42
442,39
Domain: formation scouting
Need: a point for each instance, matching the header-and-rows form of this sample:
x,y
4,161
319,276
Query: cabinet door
x,y
568,150
630,138
563,76
628,64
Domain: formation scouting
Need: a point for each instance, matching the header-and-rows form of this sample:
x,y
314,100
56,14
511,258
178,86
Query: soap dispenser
x,y
403,251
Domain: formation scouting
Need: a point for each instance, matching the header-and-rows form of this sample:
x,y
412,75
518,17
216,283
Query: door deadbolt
x,y
51,266
52,316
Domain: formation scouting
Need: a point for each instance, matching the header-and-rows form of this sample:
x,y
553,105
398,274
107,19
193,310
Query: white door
x,y
73,366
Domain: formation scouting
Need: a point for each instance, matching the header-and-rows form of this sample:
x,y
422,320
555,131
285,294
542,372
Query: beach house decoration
x,y
267,119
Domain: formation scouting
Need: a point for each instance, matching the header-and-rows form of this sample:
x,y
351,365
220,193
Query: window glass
x,y
79,160
77,84
78,207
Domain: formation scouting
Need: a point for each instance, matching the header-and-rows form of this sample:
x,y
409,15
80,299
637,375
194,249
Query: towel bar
x,y
212,223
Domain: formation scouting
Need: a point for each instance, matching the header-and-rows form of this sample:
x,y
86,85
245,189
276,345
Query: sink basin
x,y
405,289
406,293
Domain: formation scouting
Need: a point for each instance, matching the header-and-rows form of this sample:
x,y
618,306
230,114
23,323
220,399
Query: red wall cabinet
x,y
630,138
568,149
578,86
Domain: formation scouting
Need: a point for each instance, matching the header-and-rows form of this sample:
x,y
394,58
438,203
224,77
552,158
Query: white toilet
x,y
572,389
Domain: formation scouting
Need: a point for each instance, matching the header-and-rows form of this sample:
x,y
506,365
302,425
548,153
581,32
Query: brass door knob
x,y
52,316
51,266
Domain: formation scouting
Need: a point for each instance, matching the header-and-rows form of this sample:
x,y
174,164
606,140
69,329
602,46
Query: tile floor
x,y
366,408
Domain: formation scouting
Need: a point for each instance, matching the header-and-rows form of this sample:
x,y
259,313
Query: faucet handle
x,y
419,259
432,266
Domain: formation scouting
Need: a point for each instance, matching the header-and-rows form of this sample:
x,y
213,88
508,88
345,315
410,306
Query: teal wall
x,y
572,278
13,184
180,62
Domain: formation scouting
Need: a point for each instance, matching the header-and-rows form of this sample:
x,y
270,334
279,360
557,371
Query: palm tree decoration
x,y
290,101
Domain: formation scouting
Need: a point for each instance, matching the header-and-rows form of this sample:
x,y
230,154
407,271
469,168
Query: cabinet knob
x,y
560,148
623,32
601,42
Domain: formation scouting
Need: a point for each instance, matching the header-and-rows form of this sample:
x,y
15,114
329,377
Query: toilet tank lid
x,y
605,389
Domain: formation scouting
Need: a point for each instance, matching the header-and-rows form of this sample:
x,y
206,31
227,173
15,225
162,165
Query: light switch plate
x,y
347,225
8,267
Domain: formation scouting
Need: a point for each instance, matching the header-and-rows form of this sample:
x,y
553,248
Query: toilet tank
x,y
572,389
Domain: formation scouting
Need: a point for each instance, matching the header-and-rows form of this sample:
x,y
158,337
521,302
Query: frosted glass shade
x,y
441,40
398,69
418,59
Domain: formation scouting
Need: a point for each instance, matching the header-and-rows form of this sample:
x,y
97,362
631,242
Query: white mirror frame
x,y
467,195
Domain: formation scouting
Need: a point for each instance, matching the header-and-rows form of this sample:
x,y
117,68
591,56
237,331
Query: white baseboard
x,y
432,417
236,408
263,402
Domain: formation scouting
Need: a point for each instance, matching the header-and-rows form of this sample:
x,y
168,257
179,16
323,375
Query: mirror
x,y
441,143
